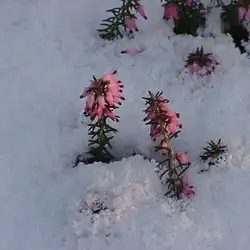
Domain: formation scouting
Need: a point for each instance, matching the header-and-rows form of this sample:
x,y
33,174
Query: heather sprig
x,y
122,19
213,152
201,63
164,125
103,98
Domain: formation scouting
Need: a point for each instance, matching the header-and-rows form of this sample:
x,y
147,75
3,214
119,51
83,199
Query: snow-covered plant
x,y
188,15
164,126
213,152
234,16
201,63
123,19
103,96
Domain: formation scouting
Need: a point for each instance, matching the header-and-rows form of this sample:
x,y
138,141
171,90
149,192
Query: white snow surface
x,y
49,51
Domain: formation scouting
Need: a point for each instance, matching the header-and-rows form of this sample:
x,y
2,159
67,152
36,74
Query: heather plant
x,y
213,153
103,98
201,63
122,20
164,125
188,15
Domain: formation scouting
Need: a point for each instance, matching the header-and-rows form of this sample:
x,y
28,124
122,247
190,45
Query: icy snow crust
x,y
49,51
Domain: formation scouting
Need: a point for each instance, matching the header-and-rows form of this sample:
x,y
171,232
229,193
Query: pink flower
x,y
131,24
164,146
189,2
187,189
110,98
171,12
110,77
101,101
141,10
110,114
195,68
172,128
242,13
132,51
182,158
90,101
175,121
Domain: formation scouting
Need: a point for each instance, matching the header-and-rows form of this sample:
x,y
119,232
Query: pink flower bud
x,y
109,98
90,100
189,2
171,12
242,13
182,158
99,112
141,10
131,24
110,114
172,128
101,101
109,77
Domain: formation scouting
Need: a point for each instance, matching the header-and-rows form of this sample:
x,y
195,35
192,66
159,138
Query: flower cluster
x,y
201,63
102,96
164,125
188,15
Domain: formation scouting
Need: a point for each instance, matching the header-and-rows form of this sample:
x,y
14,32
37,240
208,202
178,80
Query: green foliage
x,y
114,26
213,152
99,143
190,17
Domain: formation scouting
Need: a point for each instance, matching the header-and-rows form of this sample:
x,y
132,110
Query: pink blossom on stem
x,y
242,13
187,189
172,128
195,68
101,101
131,24
171,12
141,10
90,100
110,77
182,158
110,114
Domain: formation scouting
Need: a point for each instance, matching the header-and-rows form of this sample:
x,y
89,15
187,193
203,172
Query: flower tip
x,y
114,72
123,52
145,17
81,96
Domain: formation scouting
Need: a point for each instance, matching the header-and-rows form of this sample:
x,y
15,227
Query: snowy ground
x,y
49,51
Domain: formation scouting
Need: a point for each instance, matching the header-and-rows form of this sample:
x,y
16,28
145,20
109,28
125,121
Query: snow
x,y
49,50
